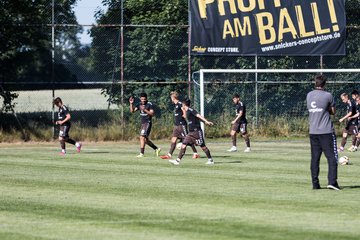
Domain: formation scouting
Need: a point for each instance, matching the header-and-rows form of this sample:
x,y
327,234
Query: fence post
x,y
256,92
53,65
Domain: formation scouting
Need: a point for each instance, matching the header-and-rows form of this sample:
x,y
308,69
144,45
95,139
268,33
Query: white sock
x,y
77,144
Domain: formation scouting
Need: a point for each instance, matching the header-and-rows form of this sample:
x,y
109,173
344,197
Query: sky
x,y
84,11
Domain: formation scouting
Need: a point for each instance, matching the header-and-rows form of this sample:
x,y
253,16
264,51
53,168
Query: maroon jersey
x,y
238,108
193,121
63,111
351,107
178,115
145,118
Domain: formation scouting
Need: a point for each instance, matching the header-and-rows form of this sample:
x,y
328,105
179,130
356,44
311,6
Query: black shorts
x,y
180,131
239,128
145,129
64,131
195,138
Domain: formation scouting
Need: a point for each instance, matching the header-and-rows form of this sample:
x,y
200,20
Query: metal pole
x,y
256,92
53,64
122,67
321,62
189,51
202,111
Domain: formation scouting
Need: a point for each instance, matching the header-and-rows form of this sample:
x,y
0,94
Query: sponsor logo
x,y
199,49
315,108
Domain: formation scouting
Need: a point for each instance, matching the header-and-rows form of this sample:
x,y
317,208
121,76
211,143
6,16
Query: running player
x,y
352,123
239,124
195,135
357,115
180,127
354,95
65,124
146,113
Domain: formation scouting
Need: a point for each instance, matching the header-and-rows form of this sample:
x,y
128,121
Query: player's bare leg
x,y
180,156
357,142
233,139
142,146
208,155
152,145
195,153
343,141
62,145
247,142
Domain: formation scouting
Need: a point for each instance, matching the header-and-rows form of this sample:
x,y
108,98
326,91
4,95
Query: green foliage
x,y
7,100
25,49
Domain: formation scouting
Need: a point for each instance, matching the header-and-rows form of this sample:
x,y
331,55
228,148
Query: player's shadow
x,y
232,162
351,187
103,152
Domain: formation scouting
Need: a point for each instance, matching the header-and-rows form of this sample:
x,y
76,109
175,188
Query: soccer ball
x,y
344,160
178,146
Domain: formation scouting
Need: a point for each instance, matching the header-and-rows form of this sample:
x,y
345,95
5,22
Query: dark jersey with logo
x,y
63,111
193,121
358,111
351,107
178,115
145,118
238,108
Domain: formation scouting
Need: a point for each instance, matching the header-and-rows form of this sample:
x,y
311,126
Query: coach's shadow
x,y
103,152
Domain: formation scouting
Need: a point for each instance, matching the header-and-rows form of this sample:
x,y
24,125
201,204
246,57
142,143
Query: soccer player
x,y
195,135
357,115
239,124
146,113
65,124
354,94
320,105
352,123
180,127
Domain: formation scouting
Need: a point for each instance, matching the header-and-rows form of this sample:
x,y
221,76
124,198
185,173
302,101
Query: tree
x,y
25,47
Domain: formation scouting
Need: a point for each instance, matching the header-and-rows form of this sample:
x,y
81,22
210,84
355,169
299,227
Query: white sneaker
x,y
247,150
140,155
232,149
174,162
210,162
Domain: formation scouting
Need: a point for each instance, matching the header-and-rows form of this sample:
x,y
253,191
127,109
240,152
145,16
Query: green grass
x,y
106,193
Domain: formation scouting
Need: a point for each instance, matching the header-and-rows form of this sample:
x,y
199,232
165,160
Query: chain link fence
x,y
129,50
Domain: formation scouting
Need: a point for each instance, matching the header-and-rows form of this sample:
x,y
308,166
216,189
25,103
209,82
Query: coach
x,y
320,105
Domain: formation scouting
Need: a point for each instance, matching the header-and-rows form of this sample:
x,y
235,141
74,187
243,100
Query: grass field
x,y
106,193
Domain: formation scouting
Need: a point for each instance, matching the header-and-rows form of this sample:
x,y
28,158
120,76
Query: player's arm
x,y
345,117
149,112
183,112
237,117
332,110
355,115
67,118
204,120
132,107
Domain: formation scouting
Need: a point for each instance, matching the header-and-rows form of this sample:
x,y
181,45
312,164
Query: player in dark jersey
x,y
65,124
180,127
239,124
195,135
357,115
352,123
354,94
146,113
